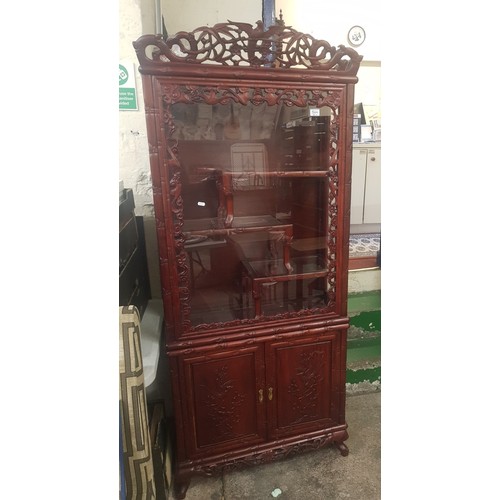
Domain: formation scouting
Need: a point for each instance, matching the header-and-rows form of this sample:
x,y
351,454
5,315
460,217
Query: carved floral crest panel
x,y
241,44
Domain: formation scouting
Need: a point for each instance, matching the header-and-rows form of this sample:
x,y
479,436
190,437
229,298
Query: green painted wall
x,y
364,338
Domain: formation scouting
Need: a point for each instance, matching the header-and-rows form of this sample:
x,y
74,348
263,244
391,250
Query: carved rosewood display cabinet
x,y
250,138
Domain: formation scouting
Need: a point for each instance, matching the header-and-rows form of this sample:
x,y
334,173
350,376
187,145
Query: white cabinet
x,y
365,186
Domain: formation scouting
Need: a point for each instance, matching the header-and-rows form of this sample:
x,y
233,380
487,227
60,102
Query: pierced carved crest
x,y
241,44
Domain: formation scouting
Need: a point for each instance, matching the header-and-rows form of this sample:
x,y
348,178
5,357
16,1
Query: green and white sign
x,y
128,92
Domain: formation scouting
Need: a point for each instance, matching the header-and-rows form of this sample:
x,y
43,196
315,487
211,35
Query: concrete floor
x,y
319,475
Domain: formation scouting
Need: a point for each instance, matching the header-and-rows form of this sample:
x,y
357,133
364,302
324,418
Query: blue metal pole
x,y
268,14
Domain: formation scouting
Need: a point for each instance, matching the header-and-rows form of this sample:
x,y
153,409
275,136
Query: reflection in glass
x,y
255,195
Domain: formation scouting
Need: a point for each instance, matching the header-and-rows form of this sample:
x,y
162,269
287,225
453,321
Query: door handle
x,y
261,395
270,393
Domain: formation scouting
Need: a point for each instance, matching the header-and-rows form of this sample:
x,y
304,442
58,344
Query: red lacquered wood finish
x,y
250,137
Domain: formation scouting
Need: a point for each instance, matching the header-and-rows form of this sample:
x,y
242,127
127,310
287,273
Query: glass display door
x,y
256,183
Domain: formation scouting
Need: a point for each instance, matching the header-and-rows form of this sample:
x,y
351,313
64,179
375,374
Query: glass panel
x,y
255,196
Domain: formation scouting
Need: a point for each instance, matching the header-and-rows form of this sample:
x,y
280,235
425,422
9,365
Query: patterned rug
x,y
364,245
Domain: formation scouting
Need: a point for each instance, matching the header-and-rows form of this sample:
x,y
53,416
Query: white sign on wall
x,y
127,88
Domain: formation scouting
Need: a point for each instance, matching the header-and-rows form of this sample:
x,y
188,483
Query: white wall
x,y
331,20
190,14
368,90
136,18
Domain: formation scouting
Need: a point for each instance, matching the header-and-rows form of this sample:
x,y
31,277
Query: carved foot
x,y
344,450
180,488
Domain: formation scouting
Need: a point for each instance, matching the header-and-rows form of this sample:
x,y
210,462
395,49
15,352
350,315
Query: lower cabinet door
x,y
305,381
224,400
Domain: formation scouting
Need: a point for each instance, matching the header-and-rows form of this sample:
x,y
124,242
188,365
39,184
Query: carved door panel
x,y
224,399
305,380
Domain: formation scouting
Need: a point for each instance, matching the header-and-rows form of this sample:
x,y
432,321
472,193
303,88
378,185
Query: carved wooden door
x,y
224,399
304,384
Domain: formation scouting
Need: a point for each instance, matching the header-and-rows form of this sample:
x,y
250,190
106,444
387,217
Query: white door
x,y
358,185
373,187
